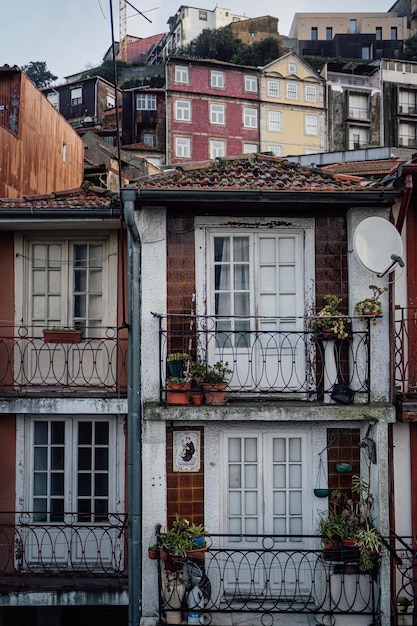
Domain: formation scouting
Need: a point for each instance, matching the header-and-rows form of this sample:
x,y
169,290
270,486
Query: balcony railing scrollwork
x,y
31,365
272,358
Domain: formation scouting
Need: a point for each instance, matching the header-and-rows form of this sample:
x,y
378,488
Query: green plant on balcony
x,y
329,322
181,537
371,305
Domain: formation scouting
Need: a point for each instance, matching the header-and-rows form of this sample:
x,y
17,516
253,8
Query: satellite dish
x,y
378,245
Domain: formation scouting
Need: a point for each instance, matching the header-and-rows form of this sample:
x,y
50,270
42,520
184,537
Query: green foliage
x,y
259,53
330,318
39,74
180,537
410,49
223,45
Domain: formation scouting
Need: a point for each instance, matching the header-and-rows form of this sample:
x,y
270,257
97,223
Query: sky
x,y
73,35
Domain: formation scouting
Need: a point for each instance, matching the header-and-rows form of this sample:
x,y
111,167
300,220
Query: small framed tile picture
x,y
186,451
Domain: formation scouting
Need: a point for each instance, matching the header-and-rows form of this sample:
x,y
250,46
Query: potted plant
x,y
329,530
355,523
175,364
214,382
62,334
178,390
329,322
179,540
372,306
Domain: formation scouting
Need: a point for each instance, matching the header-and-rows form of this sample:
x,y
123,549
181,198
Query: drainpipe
x,y
134,414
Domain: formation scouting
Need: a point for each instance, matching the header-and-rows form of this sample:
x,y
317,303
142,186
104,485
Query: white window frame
x,y
53,98
275,121
183,110
293,91
182,147
250,117
23,283
25,482
261,493
149,139
146,102
182,74
217,114
274,88
110,101
76,96
275,149
251,83
250,148
358,105
217,148
310,92
292,67
217,79
311,125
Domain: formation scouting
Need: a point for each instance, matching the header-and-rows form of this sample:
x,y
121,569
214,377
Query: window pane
x,y
84,459
279,453
279,477
241,249
40,459
280,504
251,450
101,459
57,432
57,484
241,302
41,433
295,449
234,476
251,503
222,249
234,449
295,476
295,502
101,485
57,458
84,432
40,484
84,484
251,476
241,276
235,507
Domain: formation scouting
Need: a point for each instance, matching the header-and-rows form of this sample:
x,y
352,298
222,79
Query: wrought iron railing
x,y
30,364
270,357
268,575
405,351
68,548
404,580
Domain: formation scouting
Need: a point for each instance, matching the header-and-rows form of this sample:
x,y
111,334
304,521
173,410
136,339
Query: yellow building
x,y
292,103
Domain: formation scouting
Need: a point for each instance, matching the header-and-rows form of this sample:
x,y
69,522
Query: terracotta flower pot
x,y
178,393
214,393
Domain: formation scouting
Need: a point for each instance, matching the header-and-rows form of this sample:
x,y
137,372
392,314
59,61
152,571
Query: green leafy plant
x,y
217,373
373,303
177,356
61,329
180,538
330,319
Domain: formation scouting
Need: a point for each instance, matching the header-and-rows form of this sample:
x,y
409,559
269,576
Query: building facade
x,y
40,152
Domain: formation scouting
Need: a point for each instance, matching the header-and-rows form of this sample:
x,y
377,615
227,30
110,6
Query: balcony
x,y
405,360
39,555
33,366
263,578
270,358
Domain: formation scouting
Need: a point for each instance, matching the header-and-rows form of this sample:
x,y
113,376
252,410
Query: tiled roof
x,y
380,167
259,172
78,198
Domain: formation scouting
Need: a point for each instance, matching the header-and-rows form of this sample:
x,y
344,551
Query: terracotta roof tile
x,y
79,198
259,172
379,167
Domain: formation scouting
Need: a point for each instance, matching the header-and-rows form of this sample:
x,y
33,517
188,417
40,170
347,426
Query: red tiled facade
x,y
198,91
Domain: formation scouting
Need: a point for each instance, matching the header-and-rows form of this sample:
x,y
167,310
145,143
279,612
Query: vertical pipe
x,y
134,428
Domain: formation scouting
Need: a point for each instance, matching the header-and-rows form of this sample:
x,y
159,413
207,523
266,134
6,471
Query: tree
x,y
223,45
38,73
220,44
410,49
